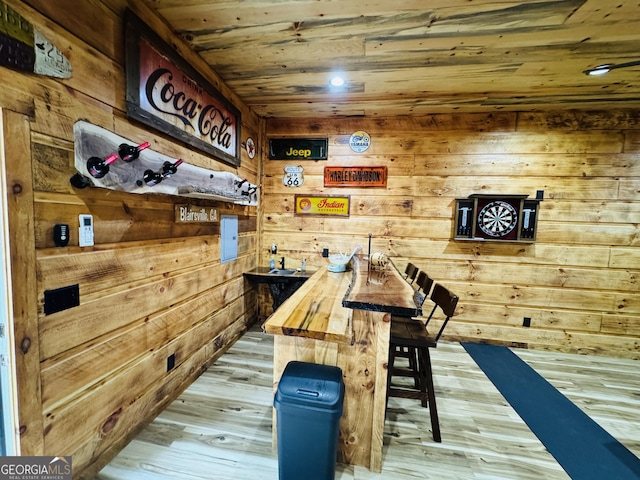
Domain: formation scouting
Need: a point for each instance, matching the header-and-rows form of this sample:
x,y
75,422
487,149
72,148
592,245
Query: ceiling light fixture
x,y
606,68
337,81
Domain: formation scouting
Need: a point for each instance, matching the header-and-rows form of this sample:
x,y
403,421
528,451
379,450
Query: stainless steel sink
x,y
278,271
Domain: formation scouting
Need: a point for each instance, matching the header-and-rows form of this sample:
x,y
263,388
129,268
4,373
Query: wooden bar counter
x,y
343,319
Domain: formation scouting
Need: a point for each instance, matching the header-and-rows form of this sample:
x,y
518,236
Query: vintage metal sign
x,y
359,141
250,146
165,92
24,48
355,176
195,214
322,205
293,176
298,148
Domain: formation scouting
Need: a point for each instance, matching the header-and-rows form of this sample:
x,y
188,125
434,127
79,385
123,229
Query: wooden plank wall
x,y
150,288
578,283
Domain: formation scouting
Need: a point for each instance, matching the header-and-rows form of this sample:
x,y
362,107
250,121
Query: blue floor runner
x,y
583,449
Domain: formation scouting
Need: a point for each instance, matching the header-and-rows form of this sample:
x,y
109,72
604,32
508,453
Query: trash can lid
x,y
312,385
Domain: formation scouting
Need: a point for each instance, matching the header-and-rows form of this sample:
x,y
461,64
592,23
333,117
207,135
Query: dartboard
x,y
497,218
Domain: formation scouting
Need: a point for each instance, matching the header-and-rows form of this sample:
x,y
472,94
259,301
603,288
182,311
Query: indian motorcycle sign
x,y
165,92
331,205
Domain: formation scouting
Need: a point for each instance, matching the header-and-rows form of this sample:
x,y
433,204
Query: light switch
x,y
61,234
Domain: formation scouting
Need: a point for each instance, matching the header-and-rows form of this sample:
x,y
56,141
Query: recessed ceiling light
x,y
599,70
337,81
606,68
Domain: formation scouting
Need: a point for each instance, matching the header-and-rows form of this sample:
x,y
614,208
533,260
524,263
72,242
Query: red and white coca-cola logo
x,y
170,94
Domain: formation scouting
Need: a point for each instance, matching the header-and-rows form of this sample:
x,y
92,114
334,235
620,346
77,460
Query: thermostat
x,y
86,230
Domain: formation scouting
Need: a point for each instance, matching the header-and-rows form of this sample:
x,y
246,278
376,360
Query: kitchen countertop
x,y
383,290
261,274
322,307
282,286
315,310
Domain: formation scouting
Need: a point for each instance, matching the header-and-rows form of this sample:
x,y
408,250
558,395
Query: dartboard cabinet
x,y
496,217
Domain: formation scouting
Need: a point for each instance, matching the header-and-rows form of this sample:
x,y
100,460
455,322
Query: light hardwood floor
x,y
220,427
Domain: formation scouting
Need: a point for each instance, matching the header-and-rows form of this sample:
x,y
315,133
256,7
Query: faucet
x,y
282,263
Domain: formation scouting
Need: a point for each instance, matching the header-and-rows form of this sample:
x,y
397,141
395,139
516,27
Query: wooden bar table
x,y
343,319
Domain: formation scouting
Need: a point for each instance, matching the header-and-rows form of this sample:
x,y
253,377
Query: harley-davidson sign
x,y
165,92
355,176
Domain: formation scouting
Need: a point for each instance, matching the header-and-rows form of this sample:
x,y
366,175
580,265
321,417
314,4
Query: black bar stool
x,y
410,272
424,283
414,334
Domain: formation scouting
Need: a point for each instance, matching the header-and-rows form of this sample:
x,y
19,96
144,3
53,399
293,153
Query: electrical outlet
x,y
526,322
61,299
325,252
171,362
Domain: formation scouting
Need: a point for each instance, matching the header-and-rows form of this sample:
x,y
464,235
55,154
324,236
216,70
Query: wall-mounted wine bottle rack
x,y
100,162
483,217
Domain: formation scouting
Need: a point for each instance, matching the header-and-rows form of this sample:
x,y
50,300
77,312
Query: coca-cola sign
x,y
165,92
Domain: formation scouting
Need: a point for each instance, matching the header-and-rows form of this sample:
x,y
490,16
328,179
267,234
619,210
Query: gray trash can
x,y
308,406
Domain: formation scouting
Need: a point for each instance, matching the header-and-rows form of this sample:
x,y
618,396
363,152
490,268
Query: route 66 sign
x,y
293,176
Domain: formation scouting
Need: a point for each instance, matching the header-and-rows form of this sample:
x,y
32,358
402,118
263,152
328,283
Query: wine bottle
x,y
99,167
169,168
151,178
129,153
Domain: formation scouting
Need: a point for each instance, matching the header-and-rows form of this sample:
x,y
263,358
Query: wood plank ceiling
x,y
412,57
